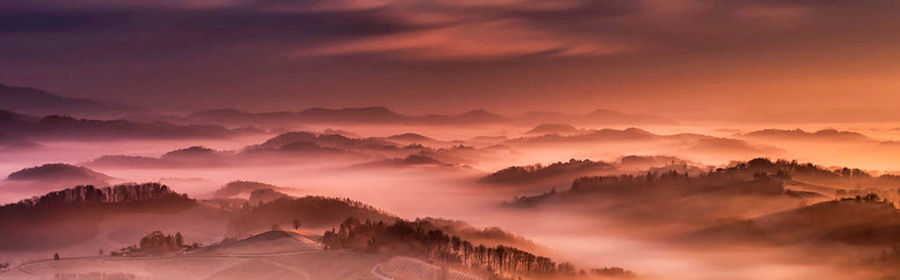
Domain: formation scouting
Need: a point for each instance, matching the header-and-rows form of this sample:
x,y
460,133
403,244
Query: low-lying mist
x,y
439,172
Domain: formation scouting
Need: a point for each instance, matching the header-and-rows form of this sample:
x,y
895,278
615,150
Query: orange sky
x,y
691,60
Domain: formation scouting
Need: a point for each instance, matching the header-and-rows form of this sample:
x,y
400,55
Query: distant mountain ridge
x,y
688,142
56,127
384,115
286,147
799,134
40,102
362,115
34,101
596,117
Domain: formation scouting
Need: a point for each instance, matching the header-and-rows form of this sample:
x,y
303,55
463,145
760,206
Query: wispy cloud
x,y
587,49
495,39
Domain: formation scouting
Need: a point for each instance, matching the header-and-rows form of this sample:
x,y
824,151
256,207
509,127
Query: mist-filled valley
x,y
449,140
366,193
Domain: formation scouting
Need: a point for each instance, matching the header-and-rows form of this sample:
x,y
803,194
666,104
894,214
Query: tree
x,y
566,268
100,252
179,240
157,242
55,256
296,223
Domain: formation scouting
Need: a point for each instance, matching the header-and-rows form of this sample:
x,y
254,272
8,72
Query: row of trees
x,y
418,239
157,242
531,173
758,176
313,211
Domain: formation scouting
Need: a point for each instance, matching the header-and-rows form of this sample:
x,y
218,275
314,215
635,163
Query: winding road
x,y
25,273
375,272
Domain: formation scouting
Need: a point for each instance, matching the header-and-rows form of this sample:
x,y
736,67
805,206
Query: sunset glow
x,y
449,139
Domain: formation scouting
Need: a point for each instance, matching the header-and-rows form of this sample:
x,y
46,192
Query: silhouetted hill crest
x,y
799,134
90,195
236,188
58,172
57,127
538,172
41,102
365,115
410,137
596,117
190,152
553,128
861,221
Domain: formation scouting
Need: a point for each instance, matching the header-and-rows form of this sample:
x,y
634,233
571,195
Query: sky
x,y
775,60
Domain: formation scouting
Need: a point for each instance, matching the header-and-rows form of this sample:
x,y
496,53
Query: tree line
x,y
420,239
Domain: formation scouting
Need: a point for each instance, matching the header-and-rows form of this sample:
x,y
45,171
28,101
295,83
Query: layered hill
x,y
270,242
311,211
285,147
57,127
36,101
60,172
866,221
10,143
421,239
363,115
72,215
50,177
553,128
596,117
638,139
679,199
566,171
539,173
416,160
241,188
802,135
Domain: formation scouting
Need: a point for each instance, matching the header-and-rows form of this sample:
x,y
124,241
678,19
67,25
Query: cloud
x,y
446,30
420,30
495,39
566,52
416,30
122,4
774,15
328,5
469,30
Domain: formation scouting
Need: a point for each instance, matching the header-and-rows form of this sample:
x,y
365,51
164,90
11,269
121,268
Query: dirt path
x,y
22,268
377,274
